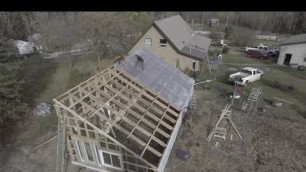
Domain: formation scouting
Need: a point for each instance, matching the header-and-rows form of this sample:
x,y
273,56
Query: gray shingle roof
x,y
296,39
166,80
178,32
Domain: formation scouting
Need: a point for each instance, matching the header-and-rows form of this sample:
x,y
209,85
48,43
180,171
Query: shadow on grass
x,y
293,72
268,101
278,85
37,74
224,78
298,110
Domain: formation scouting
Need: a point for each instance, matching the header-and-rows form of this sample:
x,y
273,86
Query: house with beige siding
x,y
293,51
175,42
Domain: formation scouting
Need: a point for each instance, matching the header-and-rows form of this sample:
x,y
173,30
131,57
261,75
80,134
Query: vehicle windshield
x,y
246,71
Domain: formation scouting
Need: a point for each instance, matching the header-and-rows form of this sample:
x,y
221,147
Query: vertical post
x,y
208,61
234,93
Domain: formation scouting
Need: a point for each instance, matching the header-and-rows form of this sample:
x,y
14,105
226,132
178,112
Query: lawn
x,y
236,60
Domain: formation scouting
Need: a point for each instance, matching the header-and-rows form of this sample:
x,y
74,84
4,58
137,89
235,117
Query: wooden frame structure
x,y
113,113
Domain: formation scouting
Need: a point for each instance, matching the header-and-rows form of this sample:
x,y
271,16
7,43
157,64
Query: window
x,y
177,64
193,65
111,159
148,42
79,148
163,42
99,158
246,71
89,152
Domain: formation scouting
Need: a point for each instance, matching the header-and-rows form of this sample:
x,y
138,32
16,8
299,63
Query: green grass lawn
x,y
273,72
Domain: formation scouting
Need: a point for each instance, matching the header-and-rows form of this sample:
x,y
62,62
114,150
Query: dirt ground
x,y
272,141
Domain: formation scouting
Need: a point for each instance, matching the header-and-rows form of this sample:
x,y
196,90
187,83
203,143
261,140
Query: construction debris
x,y
282,100
45,142
205,81
43,109
183,155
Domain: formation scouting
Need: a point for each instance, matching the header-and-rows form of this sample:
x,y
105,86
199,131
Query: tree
x,y
243,37
227,32
300,23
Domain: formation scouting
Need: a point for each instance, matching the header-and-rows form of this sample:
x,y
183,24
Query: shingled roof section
x,y
181,36
167,81
296,39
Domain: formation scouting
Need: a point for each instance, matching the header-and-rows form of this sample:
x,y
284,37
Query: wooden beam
x,y
146,94
156,109
135,125
80,100
144,114
154,131
59,98
157,119
103,133
132,123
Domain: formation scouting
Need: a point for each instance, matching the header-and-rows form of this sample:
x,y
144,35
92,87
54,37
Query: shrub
x,y
225,49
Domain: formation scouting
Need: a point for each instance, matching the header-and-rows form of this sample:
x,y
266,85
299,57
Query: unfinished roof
x,y
296,39
177,31
167,81
142,119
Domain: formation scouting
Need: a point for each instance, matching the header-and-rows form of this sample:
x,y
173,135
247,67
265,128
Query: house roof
x,y
166,80
296,39
144,105
181,36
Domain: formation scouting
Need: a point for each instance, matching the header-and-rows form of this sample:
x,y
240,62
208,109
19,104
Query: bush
x,y
243,37
225,49
76,77
227,32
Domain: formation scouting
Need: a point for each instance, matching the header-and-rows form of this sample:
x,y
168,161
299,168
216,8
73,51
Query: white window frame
x,y
110,153
145,42
77,142
93,151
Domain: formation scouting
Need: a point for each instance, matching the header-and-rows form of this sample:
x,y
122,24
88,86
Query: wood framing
x,y
113,123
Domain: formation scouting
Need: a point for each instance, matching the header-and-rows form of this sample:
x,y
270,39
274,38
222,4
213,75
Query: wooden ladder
x,y
193,103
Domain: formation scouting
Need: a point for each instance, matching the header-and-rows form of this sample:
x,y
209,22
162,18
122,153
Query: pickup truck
x,y
246,75
265,50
